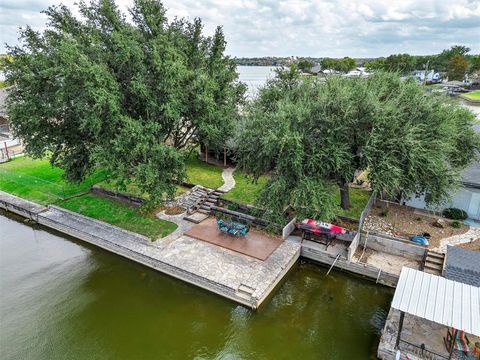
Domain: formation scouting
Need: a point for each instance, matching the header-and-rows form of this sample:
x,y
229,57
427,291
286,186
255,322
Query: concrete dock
x,y
238,277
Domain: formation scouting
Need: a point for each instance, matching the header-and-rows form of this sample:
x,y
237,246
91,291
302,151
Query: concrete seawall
x,y
238,278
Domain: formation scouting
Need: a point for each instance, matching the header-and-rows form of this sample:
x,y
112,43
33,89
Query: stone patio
x,y
241,278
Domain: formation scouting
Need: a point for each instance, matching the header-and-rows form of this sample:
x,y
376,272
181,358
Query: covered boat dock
x,y
431,318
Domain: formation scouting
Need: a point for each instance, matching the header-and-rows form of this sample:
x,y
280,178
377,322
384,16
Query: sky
x,y
317,28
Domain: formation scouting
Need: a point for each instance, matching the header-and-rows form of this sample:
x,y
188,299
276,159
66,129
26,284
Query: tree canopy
x,y
128,95
342,65
314,135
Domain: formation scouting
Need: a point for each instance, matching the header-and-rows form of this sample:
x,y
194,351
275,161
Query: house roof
x,y
437,299
463,265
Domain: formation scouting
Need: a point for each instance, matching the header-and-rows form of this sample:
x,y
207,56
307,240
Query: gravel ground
x,y
405,221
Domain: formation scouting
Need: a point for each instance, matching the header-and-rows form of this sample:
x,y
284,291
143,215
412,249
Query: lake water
x,y
255,77
63,299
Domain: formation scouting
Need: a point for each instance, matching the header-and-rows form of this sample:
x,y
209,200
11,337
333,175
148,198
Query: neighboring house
x,y
462,265
8,144
359,71
468,195
315,70
431,77
4,128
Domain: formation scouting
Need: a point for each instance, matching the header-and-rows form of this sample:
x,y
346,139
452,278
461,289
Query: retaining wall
x,y
393,245
366,270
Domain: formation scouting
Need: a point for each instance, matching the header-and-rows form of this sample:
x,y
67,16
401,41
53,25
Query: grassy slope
x,y
119,214
475,95
245,191
200,173
37,180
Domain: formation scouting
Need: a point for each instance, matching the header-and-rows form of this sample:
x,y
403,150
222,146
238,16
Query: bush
x,y
456,224
455,214
384,213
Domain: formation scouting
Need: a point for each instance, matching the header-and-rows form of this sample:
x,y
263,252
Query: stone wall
x,y
366,270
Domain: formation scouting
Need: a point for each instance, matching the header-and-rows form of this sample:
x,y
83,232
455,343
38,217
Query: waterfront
x,y
62,298
255,77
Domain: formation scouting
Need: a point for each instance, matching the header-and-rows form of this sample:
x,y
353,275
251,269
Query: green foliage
x,y
401,63
342,65
305,65
119,214
98,90
455,214
310,134
456,224
457,67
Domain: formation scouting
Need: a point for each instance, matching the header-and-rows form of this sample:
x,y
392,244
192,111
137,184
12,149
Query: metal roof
x,y
437,299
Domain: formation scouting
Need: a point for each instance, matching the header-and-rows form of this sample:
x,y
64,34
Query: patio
x,y
256,244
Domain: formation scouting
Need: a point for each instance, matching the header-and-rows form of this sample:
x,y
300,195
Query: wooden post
x,y
206,154
224,156
6,150
452,343
400,326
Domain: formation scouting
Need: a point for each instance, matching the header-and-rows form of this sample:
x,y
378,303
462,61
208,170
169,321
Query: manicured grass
x,y
245,191
37,180
358,201
200,173
475,95
120,215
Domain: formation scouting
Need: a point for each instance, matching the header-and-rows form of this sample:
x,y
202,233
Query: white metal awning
x,y
440,300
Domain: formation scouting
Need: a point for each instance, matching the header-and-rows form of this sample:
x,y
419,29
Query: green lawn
x,y
119,214
358,201
245,191
37,180
474,95
200,173
132,189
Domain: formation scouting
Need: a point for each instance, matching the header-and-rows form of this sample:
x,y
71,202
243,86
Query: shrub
x,y
455,214
384,213
456,224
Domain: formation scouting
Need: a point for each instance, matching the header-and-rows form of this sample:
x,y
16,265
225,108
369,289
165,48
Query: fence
x,y
356,240
22,184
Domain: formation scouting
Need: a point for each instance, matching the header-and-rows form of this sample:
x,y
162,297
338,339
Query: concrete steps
x,y
433,263
200,200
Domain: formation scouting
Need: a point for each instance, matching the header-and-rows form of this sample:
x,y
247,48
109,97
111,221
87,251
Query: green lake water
x,y
63,299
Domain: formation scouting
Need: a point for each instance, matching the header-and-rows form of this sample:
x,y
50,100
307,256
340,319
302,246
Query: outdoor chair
x,y
460,342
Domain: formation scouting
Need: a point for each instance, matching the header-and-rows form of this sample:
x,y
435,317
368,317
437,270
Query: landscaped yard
x,y
201,173
132,189
37,180
119,214
474,95
245,191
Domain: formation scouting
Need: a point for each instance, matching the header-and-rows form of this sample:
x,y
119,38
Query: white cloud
x,y
307,27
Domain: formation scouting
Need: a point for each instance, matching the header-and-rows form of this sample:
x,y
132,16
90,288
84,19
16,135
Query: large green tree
x,y
312,136
457,67
100,90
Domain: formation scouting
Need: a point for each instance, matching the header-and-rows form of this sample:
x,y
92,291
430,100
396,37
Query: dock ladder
x,y
333,264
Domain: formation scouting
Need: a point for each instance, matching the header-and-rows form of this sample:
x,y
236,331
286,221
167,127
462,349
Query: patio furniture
x,y
232,228
458,339
323,233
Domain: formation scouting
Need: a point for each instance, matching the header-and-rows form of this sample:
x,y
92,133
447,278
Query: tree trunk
x,y
344,196
224,156
206,154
